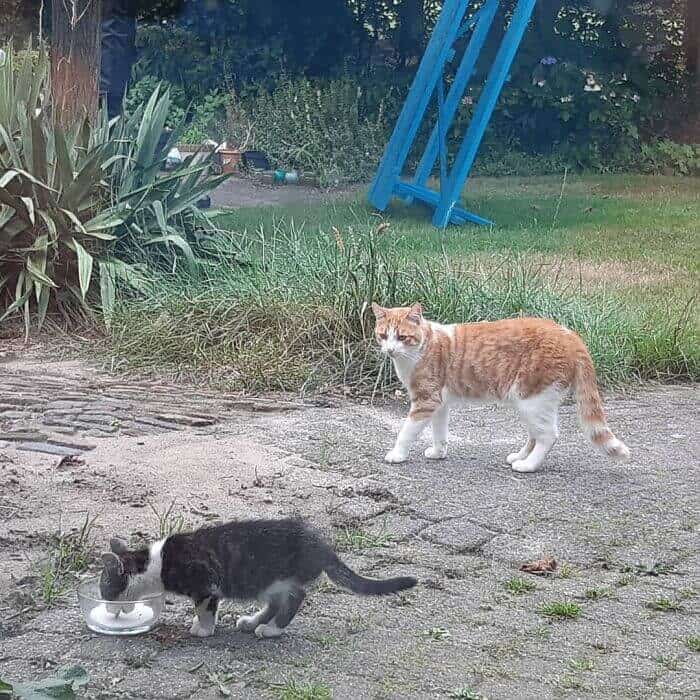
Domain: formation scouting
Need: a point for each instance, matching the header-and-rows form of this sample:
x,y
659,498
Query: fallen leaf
x,y
543,566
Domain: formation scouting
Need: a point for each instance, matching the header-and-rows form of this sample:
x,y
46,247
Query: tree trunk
x,y
75,59
691,42
411,29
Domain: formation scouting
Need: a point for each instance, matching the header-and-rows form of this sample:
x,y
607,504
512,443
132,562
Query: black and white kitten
x,y
266,560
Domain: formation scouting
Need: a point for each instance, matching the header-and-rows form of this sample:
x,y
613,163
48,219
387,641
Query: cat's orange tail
x,y
591,413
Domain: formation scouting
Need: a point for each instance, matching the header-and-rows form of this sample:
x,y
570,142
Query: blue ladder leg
x,y
413,111
459,86
494,84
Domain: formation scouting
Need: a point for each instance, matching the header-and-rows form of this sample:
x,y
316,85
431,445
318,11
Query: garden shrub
x,y
76,202
323,127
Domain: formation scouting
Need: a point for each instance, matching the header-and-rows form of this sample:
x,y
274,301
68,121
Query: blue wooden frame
x,y
451,25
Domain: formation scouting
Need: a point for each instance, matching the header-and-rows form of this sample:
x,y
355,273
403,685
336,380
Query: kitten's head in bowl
x,y
128,574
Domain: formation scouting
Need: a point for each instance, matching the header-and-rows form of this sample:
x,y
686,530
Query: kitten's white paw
x,y
514,457
434,452
268,631
396,457
246,623
524,467
200,630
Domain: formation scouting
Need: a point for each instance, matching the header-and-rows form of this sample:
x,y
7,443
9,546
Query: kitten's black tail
x,y
344,576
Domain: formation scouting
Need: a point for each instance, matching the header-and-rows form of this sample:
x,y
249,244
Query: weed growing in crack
x,y
599,593
581,664
438,634
354,538
356,623
568,571
559,610
519,585
570,682
401,600
670,663
625,580
663,605
291,690
169,521
465,693
693,643
69,555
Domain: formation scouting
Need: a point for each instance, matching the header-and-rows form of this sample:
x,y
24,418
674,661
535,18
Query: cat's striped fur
x,y
529,362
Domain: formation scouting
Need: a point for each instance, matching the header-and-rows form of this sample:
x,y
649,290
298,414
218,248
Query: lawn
x,y
282,301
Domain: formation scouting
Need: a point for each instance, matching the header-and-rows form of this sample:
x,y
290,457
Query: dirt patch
x,y
245,192
567,272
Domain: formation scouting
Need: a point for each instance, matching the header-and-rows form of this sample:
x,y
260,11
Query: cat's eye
x,y
402,338
382,335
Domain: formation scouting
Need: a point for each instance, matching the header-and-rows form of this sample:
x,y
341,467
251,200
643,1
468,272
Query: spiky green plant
x,y
74,204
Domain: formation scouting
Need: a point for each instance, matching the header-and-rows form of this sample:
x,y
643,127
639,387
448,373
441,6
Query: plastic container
x,y
120,619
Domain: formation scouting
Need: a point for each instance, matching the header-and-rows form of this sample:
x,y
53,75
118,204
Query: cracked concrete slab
x,y
625,537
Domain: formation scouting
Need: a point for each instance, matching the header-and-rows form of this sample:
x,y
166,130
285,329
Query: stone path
x,y
625,538
246,192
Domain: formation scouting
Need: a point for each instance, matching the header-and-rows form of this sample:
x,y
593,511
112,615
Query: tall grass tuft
x,y
291,311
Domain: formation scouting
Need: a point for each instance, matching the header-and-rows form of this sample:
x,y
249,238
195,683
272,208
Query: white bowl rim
x,y
97,599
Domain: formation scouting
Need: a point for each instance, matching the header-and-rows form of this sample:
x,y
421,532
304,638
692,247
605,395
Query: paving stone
x,y
459,535
357,510
49,449
463,526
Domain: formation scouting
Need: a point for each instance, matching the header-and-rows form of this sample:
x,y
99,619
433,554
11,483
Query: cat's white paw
x,y
439,452
513,457
200,630
396,456
246,623
268,631
524,467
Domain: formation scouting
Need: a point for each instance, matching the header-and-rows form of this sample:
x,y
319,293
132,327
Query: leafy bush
x,y
666,157
75,204
326,128
204,119
141,90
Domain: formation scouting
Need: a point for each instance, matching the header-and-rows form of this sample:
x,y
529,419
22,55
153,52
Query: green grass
x,y
291,690
598,593
670,663
282,301
519,586
693,643
350,539
581,664
465,693
170,522
69,554
560,610
663,605
437,634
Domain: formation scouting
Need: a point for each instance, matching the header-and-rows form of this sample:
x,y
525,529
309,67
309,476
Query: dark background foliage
x,y
593,82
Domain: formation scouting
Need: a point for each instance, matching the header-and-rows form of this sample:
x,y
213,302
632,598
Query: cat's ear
x,y
113,564
118,546
379,311
415,314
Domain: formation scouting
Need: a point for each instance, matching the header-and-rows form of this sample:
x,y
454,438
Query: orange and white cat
x,y
530,363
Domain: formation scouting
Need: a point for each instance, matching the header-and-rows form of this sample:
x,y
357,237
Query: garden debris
x,y
70,461
540,567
